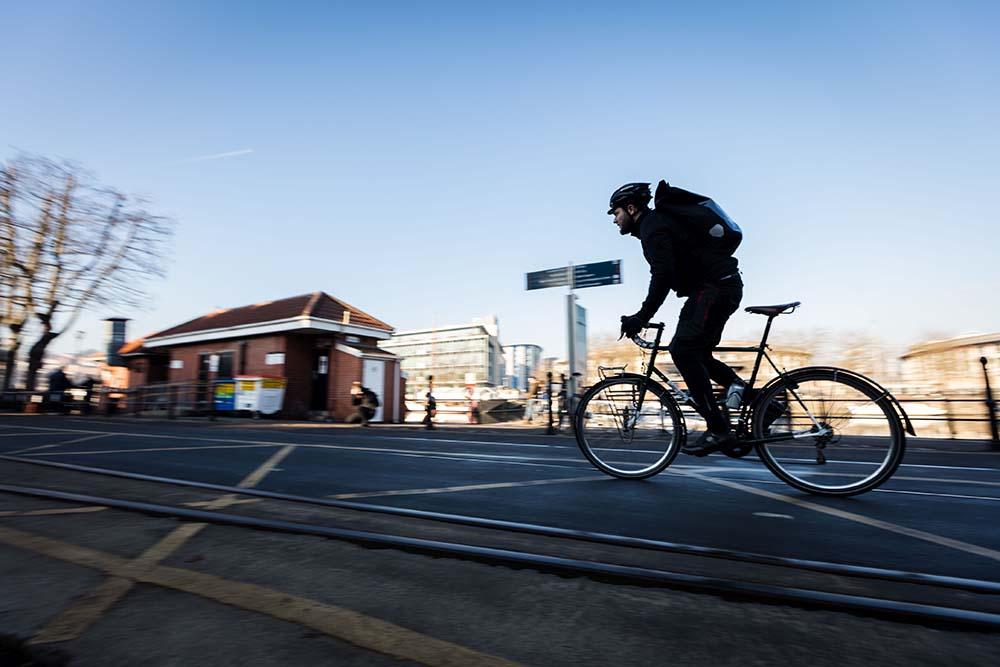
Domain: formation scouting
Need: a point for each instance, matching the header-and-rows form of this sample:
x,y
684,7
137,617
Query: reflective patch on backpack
x,y
717,231
715,208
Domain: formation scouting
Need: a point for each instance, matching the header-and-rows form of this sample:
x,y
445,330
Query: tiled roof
x,y
319,305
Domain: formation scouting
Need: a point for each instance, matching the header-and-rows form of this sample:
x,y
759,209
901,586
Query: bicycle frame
x,y
742,421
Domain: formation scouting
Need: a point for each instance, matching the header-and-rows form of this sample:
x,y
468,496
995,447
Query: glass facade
x,y
455,356
521,363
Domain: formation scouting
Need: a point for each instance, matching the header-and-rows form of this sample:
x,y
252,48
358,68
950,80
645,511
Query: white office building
x,y
456,356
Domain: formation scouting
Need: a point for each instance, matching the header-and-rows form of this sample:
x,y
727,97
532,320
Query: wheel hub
x,y
829,436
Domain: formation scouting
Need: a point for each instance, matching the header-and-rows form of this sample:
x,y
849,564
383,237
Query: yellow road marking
x,y
851,516
85,609
61,510
467,487
74,621
207,503
254,478
58,444
339,622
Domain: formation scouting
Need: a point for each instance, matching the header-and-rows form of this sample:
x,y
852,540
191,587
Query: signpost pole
x,y
586,275
571,331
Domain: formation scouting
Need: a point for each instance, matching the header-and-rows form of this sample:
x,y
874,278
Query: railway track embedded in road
x,y
897,595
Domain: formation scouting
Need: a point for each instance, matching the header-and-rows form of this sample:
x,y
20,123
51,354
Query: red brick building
x,y
317,343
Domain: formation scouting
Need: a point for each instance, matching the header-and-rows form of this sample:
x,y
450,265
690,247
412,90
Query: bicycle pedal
x,y
737,450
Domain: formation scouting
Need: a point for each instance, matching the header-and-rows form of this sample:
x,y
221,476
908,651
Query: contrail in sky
x,y
218,156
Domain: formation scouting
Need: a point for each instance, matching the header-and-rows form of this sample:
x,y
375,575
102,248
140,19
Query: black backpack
x,y
710,225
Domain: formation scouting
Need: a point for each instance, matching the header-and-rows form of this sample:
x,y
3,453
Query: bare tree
x,y
72,244
19,261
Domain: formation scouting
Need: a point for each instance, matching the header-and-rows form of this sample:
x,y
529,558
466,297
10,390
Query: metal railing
x,y
965,415
170,399
467,411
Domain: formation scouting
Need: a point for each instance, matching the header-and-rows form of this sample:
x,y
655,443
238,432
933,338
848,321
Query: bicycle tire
x,y
626,386
797,392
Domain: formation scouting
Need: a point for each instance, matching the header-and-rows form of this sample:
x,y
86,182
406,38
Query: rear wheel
x,y
620,438
841,435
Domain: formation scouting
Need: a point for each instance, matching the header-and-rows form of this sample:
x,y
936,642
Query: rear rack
x,y
603,371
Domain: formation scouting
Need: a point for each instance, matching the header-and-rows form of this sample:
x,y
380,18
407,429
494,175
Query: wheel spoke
x,y
858,444
620,438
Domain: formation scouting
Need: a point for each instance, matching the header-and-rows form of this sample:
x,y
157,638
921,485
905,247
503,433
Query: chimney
x,y
114,335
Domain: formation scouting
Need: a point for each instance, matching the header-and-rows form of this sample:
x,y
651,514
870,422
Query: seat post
x,y
767,330
760,352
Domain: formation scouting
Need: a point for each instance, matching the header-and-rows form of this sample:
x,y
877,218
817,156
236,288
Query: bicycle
x,y
793,422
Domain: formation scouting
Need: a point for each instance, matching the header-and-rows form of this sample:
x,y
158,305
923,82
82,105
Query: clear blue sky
x,y
416,159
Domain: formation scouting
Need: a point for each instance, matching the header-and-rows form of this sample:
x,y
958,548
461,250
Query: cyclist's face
x,y
623,220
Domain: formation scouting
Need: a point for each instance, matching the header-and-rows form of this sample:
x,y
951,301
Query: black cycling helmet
x,y
630,193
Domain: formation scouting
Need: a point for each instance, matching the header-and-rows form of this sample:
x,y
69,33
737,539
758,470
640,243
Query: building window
x,y
274,358
225,369
243,358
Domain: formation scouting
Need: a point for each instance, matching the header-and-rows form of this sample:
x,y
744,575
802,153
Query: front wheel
x,y
622,439
828,432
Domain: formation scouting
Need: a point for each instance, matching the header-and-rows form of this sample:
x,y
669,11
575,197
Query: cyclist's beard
x,y
626,228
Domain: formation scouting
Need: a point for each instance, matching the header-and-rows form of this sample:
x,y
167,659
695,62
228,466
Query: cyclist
x,y
688,259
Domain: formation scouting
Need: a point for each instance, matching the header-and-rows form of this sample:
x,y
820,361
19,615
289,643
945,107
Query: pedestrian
x,y
365,402
369,403
470,396
58,385
562,404
529,404
430,407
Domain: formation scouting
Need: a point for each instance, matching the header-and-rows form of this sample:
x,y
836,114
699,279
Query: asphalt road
x,y
937,515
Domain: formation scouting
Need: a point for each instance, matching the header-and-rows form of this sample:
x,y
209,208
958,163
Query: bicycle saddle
x,y
774,311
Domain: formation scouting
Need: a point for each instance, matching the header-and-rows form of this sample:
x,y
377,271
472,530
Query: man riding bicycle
x,y
688,241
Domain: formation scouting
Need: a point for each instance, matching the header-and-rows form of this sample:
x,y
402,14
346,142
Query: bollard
x,y
212,413
551,429
991,406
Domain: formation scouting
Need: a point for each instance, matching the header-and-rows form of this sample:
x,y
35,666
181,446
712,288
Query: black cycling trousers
x,y
699,330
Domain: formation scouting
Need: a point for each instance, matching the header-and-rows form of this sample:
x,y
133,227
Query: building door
x,y
373,377
320,380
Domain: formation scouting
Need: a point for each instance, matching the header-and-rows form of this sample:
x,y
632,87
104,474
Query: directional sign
x,y
584,275
597,274
548,278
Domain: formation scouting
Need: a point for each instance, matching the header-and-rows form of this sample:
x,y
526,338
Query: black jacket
x,y
679,259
